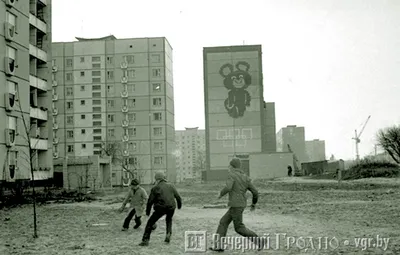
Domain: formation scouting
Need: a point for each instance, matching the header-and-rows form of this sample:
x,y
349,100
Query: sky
x,y
327,64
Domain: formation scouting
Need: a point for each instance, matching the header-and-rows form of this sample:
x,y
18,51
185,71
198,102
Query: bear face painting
x,y
236,81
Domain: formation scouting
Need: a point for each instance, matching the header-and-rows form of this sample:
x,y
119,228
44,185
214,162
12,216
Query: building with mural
x,y
235,110
190,153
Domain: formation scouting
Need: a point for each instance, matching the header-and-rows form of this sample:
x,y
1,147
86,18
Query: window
x,y
96,59
96,102
157,116
97,131
131,73
133,161
158,160
96,152
96,87
96,116
131,87
70,91
82,59
132,131
83,131
130,59
96,66
82,88
70,134
97,138
68,76
110,89
12,19
83,102
157,101
96,80
70,148
53,62
96,94
83,116
83,145
111,118
110,75
157,131
96,109
82,73
155,58
110,60
111,132
132,146
156,87
70,119
132,116
132,102
69,62
158,146
157,72
110,103
96,123
96,73
70,105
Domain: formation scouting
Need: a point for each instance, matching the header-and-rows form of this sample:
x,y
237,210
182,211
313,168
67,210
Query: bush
x,y
369,168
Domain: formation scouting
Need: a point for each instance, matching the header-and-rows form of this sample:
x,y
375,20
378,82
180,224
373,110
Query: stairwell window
x,y
157,102
70,91
82,59
110,60
131,73
83,74
68,76
70,120
12,19
158,146
156,87
70,105
132,117
132,102
132,146
111,118
158,160
110,75
70,148
130,59
157,131
70,134
132,131
110,89
110,103
111,132
157,116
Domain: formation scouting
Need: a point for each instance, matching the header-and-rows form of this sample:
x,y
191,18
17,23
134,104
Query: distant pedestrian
x,y
237,185
289,173
137,197
162,197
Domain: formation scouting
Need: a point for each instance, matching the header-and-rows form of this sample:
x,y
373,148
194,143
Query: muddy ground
x,y
312,213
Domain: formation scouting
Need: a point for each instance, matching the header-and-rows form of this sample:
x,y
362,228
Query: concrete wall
x,y
270,165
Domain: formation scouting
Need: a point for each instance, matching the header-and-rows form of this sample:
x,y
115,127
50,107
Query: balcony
x,y
39,144
34,21
37,53
38,83
38,113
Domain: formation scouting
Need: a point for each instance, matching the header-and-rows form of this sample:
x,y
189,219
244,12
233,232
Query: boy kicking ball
x,y
137,197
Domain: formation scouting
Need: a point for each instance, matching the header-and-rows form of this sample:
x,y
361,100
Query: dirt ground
x,y
304,210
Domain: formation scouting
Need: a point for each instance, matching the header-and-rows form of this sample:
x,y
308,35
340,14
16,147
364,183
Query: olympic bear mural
x,y
236,81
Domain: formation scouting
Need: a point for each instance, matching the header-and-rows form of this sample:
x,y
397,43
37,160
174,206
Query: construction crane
x,y
357,138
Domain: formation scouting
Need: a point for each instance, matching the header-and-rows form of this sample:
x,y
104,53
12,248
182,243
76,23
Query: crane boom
x,y
362,129
357,138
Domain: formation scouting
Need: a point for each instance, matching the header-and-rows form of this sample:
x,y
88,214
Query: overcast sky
x,y
327,64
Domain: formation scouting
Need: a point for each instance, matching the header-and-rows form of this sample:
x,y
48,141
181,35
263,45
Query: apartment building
x,y
315,150
295,137
25,51
115,95
190,158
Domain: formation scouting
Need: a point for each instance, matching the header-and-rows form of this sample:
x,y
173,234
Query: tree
x,y
389,140
31,155
200,163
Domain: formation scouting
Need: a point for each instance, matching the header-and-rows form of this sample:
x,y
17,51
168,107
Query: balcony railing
x,y
34,21
38,82
37,53
38,113
39,144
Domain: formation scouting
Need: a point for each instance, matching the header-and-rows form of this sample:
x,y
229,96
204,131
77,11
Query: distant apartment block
x,y
115,96
295,137
269,127
190,156
25,46
315,150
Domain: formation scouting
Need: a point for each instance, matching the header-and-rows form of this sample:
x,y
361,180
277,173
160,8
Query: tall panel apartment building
x,y
234,105
315,150
295,137
25,52
190,158
116,92
270,127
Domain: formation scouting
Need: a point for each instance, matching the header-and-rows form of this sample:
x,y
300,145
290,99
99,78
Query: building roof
x,y
105,38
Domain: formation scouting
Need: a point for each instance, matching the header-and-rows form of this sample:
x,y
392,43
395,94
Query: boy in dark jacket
x,y
162,197
237,185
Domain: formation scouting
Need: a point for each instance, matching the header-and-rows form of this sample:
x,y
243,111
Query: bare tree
x,y
389,140
30,156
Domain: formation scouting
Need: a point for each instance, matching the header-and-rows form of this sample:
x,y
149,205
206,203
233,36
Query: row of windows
x,y
157,131
96,75
156,87
157,102
129,59
157,116
132,146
